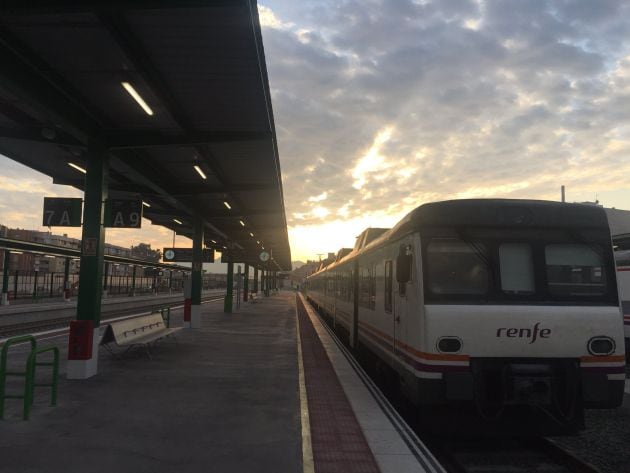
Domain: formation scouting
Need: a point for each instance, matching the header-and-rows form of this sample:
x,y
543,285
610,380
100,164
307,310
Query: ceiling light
x,y
13,252
242,223
258,241
136,96
198,169
145,204
213,241
177,221
227,205
77,167
251,234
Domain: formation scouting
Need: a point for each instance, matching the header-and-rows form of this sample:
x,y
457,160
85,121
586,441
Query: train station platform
x,y
263,389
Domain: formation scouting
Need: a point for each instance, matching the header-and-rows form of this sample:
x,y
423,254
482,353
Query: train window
x,y
517,268
367,288
388,286
574,270
455,267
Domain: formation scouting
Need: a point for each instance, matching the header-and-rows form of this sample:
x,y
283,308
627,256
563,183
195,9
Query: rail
x,y
29,374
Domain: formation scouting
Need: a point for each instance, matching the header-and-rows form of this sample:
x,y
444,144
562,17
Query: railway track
x,y
500,455
61,322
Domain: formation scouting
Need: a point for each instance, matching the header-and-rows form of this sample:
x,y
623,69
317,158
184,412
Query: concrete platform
x,y
229,397
223,399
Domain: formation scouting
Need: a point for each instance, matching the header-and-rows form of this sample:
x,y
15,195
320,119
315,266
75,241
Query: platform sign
x,y
89,246
185,255
121,213
62,212
240,256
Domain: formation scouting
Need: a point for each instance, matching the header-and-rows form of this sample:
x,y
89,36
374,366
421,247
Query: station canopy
x,y
70,70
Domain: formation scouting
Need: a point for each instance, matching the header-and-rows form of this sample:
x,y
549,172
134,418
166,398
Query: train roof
x,y
489,212
500,212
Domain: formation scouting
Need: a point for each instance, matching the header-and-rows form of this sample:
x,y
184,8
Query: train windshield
x,y
543,267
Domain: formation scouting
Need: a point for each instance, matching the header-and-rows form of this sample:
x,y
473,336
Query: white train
x,y
504,310
622,259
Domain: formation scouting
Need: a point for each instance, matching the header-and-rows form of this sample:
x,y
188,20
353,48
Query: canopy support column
x,y
227,305
197,264
246,283
83,340
255,279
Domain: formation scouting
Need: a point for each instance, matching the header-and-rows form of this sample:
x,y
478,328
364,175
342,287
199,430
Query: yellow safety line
x,y
307,446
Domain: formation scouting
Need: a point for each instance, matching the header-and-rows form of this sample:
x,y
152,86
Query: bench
x,y
137,331
253,298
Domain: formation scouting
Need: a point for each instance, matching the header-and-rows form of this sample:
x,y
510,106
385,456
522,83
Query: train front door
x,y
400,303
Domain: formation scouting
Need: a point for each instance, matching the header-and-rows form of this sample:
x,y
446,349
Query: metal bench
x,y
137,332
253,298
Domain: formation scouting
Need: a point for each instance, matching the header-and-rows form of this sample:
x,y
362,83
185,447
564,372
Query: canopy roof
x,y
200,68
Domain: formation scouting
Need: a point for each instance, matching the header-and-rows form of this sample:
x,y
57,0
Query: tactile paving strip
x,y
339,445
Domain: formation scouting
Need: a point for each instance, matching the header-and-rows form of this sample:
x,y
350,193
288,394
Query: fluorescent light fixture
x,y
177,221
13,252
251,234
242,223
145,204
213,241
136,96
258,241
77,167
201,173
49,256
227,205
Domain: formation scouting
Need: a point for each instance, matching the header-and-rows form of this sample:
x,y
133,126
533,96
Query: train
x,y
501,312
622,260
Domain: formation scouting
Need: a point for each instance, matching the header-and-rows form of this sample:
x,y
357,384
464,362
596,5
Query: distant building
x,y
26,262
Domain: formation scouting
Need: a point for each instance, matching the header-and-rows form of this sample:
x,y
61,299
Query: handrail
x,y
29,388
3,367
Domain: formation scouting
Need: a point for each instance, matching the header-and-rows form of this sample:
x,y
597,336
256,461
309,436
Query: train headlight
x,y
601,346
449,345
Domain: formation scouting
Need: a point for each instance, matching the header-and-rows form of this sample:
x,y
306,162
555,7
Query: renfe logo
x,y
525,333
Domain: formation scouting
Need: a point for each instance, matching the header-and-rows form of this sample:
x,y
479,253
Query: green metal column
x,y
81,363
246,283
255,279
227,306
5,278
267,282
196,283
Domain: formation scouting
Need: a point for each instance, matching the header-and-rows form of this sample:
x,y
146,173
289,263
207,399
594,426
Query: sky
x,y
381,106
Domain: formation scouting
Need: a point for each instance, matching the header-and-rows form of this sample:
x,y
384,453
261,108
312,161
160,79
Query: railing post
x,y
29,388
3,367
5,278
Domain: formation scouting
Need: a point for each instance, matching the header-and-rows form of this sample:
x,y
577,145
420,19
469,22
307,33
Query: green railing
x,y
29,374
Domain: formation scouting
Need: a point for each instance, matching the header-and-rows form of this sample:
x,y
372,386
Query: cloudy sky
x,y
381,106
